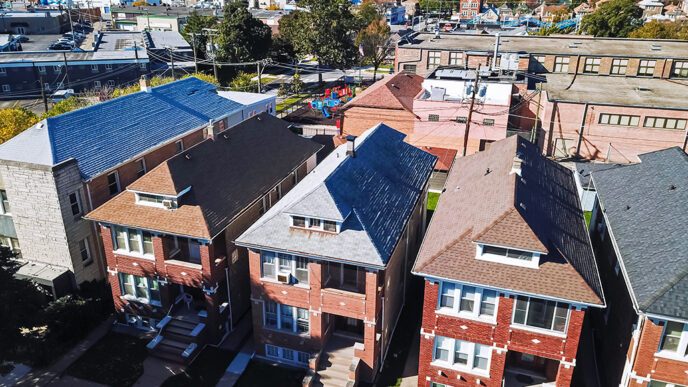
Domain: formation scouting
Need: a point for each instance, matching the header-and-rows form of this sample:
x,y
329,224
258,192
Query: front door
x,y
349,326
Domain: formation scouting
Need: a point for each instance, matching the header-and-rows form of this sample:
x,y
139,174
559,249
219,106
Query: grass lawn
x,y
206,369
296,98
115,360
588,215
259,373
433,197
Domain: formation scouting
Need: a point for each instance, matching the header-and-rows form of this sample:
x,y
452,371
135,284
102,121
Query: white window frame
x,y
646,68
550,331
3,71
108,66
457,294
57,68
294,319
616,119
3,198
137,322
141,167
278,260
87,249
654,123
307,226
681,352
533,263
295,176
96,85
41,69
111,83
680,69
126,250
456,58
450,344
133,297
94,68
119,188
280,355
434,59
619,67
562,63
591,65
6,88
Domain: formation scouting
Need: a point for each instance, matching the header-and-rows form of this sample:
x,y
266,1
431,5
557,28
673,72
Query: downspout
x,y
229,301
580,133
636,345
685,139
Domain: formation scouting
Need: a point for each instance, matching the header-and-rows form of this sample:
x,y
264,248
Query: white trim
x,y
533,262
457,295
681,352
547,331
133,297
472,352
280,355
127,249
294,319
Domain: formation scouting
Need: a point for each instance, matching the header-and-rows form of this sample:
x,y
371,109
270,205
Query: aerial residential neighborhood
x,y
342,193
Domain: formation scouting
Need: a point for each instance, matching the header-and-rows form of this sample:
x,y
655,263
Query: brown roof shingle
x,y
395,92
537,211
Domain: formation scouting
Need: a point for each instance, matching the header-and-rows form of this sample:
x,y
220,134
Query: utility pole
x,y
533,133
169,49
45,99
260,83
138,66
193,46
470,111
64,55
211,32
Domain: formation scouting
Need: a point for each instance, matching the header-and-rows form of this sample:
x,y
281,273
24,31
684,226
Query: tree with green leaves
x,y
242,37
614,18
368,12
661,30
20,304
193,31
14,121
376,43
325,31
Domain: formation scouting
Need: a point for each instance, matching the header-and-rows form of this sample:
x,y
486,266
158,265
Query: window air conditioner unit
x,y
284,278
167,203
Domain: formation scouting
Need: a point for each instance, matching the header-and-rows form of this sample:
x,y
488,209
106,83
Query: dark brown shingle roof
x,y
226,175
395,92
537,211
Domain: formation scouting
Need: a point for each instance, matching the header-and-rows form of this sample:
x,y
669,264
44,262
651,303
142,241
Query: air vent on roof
x,y
573,45
643,89
187,156
656,47
192,92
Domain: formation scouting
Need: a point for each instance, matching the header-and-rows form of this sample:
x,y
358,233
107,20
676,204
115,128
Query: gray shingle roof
x,y
379,187
646,206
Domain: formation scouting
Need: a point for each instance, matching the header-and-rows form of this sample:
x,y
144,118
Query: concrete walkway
x,y
410,373
51,375
156,371
238,365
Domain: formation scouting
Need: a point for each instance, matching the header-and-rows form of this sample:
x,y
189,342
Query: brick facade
x,y
501,336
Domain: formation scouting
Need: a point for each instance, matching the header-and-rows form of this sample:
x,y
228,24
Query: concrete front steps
x,y
177,341
333,369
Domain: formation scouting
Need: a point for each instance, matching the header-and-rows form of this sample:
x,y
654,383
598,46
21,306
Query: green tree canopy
x,y
368,12
242,37
376,43
326,31
615,18
661,30
195,25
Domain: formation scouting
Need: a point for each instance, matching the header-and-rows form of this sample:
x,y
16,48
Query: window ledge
x,y
343,292
140,300
190,265
671,356
486,320
275,282
546,332
286,332
134,255
442,364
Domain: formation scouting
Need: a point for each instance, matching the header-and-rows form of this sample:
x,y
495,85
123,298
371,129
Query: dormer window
x,y
169,202
315,224
508,256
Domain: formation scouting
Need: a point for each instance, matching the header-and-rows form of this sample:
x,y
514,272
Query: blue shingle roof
x,y
104,135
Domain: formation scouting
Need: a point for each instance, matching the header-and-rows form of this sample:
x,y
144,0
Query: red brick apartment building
x,y
329,263
638,228
168,237
509,279
468,9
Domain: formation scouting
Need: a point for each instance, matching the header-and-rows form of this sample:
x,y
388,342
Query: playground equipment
x,y
529,21
330,102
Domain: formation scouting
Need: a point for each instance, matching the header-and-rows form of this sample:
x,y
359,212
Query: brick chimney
x,y
350,146
145,84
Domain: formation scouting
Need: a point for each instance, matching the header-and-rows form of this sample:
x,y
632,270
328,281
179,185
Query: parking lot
x,y
42,42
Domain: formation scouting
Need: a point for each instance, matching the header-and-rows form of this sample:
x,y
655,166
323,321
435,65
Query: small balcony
x,y
348,278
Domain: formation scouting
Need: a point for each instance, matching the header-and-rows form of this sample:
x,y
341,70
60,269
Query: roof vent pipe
x,y
145,84
350,148
496,51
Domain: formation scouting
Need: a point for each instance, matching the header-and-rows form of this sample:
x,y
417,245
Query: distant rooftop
x,y
101,137
646,208
568,45
623,91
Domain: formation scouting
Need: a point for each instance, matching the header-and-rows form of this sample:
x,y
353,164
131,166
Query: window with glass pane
x,y
288,354
302,270
141,287
508,253
592,65
286,317
442,348
561,314
520,310
315,223
5,203
672,336
455,59
271,350
83,250
646,67
540,313
128,284
120,238
482,357
561,64
447,295
268,259
303,357
113,183
467,298
488,303
302,320
461,352
664,123
74,204
438,385
299,221
619,66
270,314
284,262
147,243
329,226
134,244
154,290
681,69
433,58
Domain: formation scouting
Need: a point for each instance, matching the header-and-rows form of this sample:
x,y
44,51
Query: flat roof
x,y
118,41
619,91
565,45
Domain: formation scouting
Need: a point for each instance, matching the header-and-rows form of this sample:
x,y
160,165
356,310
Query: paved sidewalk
x,y
44,377
238,365
156,371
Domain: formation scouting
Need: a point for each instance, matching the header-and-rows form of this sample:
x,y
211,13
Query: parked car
x,y
61,46
22,38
